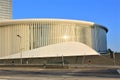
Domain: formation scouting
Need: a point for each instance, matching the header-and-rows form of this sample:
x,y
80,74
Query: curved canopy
x,y
56,50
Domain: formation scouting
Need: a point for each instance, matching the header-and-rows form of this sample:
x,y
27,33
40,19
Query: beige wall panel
x,y
10,43
51,33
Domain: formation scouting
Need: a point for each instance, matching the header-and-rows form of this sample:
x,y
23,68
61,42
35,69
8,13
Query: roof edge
x,y
105,28
44,19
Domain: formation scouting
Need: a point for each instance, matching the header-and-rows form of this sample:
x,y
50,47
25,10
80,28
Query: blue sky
x,y
104,12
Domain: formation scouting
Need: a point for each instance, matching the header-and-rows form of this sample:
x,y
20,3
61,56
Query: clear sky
x,y
104,12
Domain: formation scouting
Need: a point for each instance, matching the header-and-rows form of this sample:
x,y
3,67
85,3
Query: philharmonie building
x,y
48,38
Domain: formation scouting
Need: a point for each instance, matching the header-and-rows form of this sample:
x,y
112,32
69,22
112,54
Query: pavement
x,y
58,74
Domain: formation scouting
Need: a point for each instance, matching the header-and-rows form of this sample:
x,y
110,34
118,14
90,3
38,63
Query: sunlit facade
x,y
5,9
17,35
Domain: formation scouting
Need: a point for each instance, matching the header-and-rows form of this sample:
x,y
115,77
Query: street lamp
x,y
19,36
62,60
20,48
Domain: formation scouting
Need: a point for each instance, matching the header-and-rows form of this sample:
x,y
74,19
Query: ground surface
x,y
58,74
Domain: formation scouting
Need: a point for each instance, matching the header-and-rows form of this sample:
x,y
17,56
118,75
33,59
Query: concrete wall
x,y
90,60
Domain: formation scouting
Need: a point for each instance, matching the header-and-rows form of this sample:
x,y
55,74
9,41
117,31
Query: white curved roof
x,y
21,21
56,50
48,20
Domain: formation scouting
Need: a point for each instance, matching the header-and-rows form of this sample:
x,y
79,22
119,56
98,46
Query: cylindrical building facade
x,y
37,33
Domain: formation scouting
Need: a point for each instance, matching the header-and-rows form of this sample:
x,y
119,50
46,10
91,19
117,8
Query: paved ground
x,y
61,74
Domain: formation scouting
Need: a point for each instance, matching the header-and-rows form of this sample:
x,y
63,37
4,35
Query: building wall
x,y
35,34
5,9
10,43
43,34
71,60
99,41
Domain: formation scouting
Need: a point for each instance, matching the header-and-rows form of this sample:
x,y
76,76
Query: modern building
x,y
51,37
34,38
5,9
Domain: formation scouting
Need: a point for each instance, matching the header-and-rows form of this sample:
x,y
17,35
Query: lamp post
x,y
62,60
83,59
66,38
20,48
114,58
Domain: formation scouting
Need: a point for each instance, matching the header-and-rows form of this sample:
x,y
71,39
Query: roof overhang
x,y
56,50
